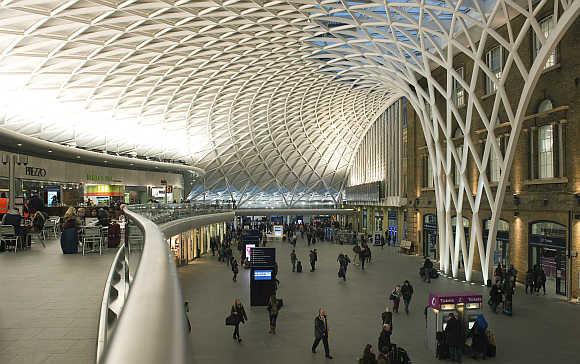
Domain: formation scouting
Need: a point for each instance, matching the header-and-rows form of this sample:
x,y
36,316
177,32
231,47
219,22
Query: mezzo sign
x,y
36,172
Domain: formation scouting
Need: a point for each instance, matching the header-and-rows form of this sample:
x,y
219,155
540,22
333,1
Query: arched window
x,y
545,105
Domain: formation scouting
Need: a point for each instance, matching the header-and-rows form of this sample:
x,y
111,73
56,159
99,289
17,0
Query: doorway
x,y
430,236
547,249
500,252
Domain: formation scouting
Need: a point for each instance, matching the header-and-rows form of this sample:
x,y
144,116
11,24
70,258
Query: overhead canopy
x,y
266,96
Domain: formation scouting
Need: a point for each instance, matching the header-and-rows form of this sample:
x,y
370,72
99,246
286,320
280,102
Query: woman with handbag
x,y
239,315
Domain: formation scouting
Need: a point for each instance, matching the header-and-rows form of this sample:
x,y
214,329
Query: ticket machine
x,y
466,306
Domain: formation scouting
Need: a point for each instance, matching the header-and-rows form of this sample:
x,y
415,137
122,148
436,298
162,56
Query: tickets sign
x,y
438,299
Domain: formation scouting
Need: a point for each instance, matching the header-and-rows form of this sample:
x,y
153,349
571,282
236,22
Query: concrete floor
x,y
543,329
49,305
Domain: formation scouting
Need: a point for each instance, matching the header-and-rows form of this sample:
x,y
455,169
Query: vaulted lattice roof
x,y
267,96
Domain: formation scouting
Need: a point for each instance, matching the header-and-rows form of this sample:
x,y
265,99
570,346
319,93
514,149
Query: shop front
x,y
59,184
547,249
189,245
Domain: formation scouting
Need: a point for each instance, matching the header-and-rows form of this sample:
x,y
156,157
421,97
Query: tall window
x,y
493,60
430,181
494,163
546,25
546,151
458,91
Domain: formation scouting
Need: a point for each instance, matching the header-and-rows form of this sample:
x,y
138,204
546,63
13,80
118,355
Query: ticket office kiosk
x,y
465,307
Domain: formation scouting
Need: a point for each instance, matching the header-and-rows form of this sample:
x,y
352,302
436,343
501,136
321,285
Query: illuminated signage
x,y
97,178
36,172
263,275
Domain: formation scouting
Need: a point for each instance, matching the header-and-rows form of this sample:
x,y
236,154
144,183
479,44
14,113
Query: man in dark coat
x,y
321,333
454,336
407,293
293,259
385,339
428,267
312,257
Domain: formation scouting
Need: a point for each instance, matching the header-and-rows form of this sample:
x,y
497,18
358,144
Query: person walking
x,y
407,293
387,318
454,337
356,251
396,298
427,268
235,269
529,281
293,259
240,316
363,255
541,280
229,255
495,296
313,258
321,333
273,309
385,339
343,261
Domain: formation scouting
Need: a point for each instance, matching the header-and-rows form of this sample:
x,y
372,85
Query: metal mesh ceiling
x,y
267,96
227,86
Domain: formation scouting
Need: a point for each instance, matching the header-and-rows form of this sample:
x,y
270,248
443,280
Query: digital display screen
x,y
278,230
263,275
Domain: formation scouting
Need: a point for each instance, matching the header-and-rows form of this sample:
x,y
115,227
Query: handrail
x,y
151,327
142,318
111,294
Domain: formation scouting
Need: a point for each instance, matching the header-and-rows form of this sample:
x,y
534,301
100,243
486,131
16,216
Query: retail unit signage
x,y
97,178
36,172
60,171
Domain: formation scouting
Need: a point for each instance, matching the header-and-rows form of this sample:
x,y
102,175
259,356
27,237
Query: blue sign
x,y
263,275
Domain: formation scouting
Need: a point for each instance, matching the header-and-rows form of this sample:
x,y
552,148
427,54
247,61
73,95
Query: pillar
x,y
11,180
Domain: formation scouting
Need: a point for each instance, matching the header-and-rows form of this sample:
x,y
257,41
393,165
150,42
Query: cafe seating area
x,y
92,238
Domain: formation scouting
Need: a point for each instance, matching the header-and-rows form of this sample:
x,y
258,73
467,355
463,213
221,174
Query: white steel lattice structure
x,y
274,96
402,42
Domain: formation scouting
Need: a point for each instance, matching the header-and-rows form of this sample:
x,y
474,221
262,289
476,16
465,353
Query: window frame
x,y
554,58
490,86
458,90
546,167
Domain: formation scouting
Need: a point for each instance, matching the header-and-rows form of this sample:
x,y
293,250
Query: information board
x,y
262,278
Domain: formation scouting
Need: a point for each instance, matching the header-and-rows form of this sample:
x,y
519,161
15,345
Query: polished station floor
x,y
49,305
543,329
